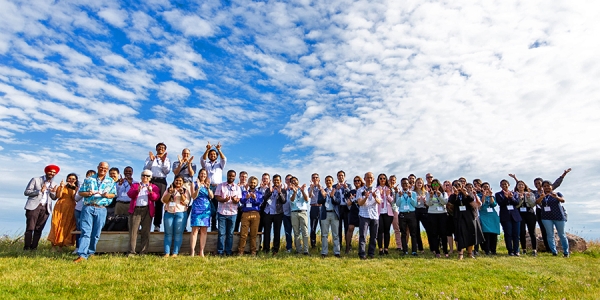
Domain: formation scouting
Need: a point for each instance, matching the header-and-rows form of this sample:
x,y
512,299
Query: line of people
x,y
456,212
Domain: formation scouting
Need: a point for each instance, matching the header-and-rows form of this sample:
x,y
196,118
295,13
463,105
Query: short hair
x,y
114,169
504,180
412,175
547,182
128,167
266,174
485,183
403,179
243,172
539,179
213,150
329,176
90,173
477,180
293,177
146,172
161,144
341,171
251,178
313,174
231,171
276,176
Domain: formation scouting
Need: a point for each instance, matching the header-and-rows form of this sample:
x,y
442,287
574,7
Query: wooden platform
x,y
118,241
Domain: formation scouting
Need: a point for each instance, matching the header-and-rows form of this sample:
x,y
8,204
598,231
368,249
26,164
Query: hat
x,y
49,168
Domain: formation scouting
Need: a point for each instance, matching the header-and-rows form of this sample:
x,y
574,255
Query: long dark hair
x,y
386,180
76,178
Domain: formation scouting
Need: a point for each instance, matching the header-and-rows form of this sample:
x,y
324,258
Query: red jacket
x,y
135,190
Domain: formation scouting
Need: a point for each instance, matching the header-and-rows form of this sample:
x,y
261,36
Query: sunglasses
x,y
435,185
356,180
146,175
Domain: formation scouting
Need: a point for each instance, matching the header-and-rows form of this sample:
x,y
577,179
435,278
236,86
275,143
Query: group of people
x,y
452,213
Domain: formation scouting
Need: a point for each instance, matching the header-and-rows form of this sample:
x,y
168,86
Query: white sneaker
x,y
75,251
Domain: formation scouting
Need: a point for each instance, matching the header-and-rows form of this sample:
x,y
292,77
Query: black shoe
x,y
554,254
414,254
399,249
371,256
386,252
337,255
404,253
323,255
362,257
380,252
306,253
566,255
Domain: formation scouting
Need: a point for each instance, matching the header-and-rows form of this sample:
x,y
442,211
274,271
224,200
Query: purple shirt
x,y
225,190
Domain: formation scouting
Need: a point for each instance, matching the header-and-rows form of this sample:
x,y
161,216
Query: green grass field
x,y
47,275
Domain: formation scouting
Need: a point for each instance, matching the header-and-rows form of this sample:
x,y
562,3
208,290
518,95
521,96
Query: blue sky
x,y
397,87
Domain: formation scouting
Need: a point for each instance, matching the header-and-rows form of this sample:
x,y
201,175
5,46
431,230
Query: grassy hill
x,y
47,275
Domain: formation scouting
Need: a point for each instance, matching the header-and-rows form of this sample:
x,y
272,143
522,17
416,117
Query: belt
x,y
123,201
141,206
330,211
315,205
298,210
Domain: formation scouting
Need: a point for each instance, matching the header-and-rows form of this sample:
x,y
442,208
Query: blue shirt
x,y
299,203
406,202
93,184
250,204
271,208
552,204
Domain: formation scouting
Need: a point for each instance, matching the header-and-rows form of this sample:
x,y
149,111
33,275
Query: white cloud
x,y
115,60
190,25
115,17
172,92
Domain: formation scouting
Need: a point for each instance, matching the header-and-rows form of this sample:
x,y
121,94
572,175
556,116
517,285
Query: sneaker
x,y
78,259
534,253
156,229
437,256
566,255
517,254
414,254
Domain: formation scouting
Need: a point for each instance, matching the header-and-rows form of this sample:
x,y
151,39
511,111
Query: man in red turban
x,y
40,192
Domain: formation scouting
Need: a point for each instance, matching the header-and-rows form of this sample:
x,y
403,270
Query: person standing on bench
x,y
141,211
215,173
160,165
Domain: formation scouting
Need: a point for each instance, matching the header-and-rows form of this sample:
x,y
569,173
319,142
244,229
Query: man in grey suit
x,y
40,192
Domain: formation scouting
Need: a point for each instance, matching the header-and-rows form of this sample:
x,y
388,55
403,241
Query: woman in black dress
x,y
353,211
467,232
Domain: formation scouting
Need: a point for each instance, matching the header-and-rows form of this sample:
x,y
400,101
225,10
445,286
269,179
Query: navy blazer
x,y
335,203
505,214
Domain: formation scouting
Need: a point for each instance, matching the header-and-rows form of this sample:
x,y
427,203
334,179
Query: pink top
x,y
228,208
386,205
135,190
177,203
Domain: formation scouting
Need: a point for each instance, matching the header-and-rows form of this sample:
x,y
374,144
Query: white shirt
x,y
214,170
369,209
159,168
44,198
142,198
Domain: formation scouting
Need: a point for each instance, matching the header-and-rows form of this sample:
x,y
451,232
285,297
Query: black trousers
x,y
315,218
529,220
408,221
161,183
344,212
422,214
436,232
238,220
490,243
383,233
272,221
36,221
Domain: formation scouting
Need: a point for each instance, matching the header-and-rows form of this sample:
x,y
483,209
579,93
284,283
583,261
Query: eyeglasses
x,y
315,178
428,176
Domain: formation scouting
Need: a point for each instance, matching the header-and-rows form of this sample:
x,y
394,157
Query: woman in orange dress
x,y
63,215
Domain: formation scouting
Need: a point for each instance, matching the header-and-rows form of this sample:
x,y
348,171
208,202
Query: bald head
x,y
102,169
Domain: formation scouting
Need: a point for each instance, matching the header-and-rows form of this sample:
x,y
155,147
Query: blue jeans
x,y
173,223
560,229
77,227
225,240
92,220
287,228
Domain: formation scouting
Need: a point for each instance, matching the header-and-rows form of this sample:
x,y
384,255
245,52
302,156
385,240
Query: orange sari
x,y
63,219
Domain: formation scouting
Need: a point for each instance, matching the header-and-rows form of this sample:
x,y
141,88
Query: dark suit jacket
x,y
505,214
278,205
335,203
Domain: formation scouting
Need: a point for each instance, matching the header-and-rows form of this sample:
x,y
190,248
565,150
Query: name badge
x,y
510,207
269,201
171,204
439,208
462,208
523,209
489,209
546,208
406,207
248,204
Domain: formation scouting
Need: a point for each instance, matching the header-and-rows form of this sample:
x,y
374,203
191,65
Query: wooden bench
x,y
118,241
